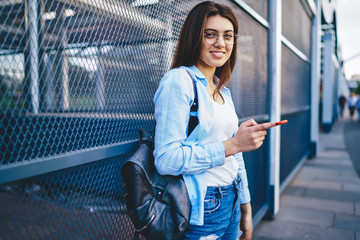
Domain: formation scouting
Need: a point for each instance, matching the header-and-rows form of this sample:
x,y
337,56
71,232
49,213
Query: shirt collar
x,y
199,75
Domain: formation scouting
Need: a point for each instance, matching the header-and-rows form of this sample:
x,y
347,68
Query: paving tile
x,y
321,171
357,235
328,164
350,172
317,204
311,173
352,187
345,221
334,161
262,238
317,184
295,191
306,175
335,148
342,178
286,230
315,217
333,194
342,160
357,208
333,137
334,155
340,175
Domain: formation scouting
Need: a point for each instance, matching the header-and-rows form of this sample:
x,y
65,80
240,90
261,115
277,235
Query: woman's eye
x,y
228,36
210,35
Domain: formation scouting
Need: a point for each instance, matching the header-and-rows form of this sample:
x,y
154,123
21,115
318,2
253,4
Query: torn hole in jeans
x,y
210,237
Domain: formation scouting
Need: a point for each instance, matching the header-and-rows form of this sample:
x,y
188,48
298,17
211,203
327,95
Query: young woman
x,y
210,158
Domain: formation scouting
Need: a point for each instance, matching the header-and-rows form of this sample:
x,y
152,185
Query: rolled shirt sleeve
x,y
244,189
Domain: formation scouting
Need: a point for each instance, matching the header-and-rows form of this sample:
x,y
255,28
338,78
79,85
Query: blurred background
x,y
348,35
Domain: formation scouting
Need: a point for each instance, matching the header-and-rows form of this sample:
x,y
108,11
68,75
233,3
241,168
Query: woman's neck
x,y
208,72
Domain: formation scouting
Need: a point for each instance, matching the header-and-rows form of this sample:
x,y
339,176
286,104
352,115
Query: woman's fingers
x,y
249,123
265,126
250,136
268,125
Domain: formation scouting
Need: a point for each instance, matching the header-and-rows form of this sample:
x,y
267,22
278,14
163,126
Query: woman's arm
x,y
244,193
172,154
246,225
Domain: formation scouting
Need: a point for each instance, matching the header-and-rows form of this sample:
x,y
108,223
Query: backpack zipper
x,y
147,224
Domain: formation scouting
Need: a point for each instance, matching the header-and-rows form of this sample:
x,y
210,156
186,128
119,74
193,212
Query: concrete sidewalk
x,y
323,200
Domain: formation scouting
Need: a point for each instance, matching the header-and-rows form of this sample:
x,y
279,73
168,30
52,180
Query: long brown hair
x,y
187,51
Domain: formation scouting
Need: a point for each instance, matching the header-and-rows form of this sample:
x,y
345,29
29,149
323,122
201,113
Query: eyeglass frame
x,y
220,34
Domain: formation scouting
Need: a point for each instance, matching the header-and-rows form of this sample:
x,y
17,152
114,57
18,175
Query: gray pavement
x,y
352,140
323,200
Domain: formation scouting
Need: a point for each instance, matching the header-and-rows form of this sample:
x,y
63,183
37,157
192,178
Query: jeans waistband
x,y
224,189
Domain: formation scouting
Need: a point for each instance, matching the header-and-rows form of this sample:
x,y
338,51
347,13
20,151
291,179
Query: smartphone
x,y
268,125
281,122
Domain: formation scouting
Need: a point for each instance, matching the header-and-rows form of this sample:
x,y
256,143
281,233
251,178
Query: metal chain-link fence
x,y
76,76
79,74
84,202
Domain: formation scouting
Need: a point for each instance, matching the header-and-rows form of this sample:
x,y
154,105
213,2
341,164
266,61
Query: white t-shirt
x,y
225,124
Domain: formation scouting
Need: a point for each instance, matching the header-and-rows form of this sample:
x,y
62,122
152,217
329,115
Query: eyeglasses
x,y
211,37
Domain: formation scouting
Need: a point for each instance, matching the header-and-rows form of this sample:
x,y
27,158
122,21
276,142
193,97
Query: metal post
x,y
275,104
336,86
100,86
170,43
65,97
50,95
33,55
62,70
315,79
41,55
328,81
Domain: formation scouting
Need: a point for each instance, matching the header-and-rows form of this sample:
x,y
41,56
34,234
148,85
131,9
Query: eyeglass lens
x,y
211,37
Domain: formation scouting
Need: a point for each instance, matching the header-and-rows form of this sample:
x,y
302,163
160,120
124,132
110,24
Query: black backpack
x,y
158,205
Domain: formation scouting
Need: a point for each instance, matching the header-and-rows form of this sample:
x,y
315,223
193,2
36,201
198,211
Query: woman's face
x,y
214,53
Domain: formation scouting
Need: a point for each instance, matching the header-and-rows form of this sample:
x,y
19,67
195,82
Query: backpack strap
x,y
144,136
194,107
193,121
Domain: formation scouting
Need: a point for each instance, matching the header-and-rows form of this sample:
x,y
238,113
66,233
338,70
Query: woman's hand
x,y
249,136
246,225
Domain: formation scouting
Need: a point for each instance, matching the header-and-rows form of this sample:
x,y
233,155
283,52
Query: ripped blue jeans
x,y
222,215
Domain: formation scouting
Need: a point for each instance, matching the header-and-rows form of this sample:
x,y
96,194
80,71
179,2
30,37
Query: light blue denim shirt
x,y
176,153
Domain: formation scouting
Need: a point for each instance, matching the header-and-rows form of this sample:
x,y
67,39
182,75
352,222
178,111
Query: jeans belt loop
x,y
220,193
237,182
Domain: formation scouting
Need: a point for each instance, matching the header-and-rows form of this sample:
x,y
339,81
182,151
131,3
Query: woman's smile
x,y
218,54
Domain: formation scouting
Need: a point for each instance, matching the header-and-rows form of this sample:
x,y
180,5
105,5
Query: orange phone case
x,y
281,122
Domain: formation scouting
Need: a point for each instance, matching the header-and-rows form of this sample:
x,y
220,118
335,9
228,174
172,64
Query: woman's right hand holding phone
x,y
250,136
